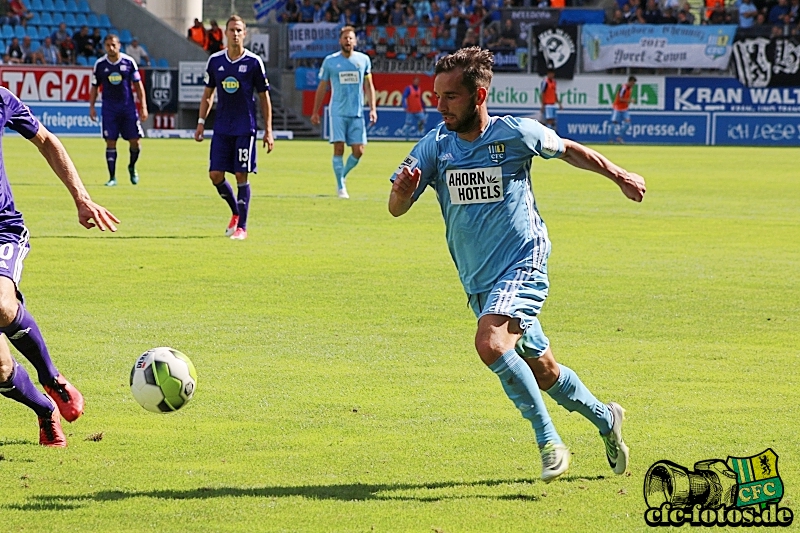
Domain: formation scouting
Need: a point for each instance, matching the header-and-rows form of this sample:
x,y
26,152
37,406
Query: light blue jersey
x,y
346,76
485,194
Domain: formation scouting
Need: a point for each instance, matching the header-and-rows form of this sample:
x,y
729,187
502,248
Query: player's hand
x,y
633,186
91,214
145,114
198,133
406,182
315,119
269,142
373,116
92,113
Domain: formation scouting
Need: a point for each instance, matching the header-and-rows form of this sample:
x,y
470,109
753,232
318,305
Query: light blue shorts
x,y
620,116
349,130
519,293
550,111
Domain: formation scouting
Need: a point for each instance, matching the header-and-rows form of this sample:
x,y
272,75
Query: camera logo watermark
x,y
742,491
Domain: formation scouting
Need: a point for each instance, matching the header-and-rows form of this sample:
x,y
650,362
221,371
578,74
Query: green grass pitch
x,y
339,390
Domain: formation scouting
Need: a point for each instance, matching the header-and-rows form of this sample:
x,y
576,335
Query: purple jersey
x,y
15,115
115,79
236,82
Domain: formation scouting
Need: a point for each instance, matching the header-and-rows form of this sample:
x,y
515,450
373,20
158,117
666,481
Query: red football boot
x,y
68,399
50,432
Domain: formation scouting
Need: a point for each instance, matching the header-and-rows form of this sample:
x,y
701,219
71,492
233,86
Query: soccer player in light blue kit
x,y
238,74
346,72
479,166
117,73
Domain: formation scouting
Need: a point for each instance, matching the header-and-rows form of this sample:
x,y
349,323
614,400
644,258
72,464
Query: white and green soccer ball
x,y
163,380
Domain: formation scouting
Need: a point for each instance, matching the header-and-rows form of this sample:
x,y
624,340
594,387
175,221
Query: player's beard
x,y
467,122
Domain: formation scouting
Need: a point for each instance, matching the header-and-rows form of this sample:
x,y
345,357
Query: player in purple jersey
x,y
16,322
238,74
118,73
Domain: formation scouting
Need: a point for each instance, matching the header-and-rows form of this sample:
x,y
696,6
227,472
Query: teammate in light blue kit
x,y
347,72
479,167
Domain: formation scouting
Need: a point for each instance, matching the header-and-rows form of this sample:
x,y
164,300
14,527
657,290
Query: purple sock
x,y
111,159
243,199
134,158
20,388
24,334
226,193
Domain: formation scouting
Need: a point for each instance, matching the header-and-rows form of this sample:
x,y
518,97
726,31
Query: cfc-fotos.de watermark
x,y
739,492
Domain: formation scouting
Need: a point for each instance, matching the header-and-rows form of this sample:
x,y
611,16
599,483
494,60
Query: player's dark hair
x,y
346,29
110,36
235,18
475,64
632,79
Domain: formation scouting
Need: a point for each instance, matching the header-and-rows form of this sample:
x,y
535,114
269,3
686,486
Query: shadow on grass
x,y
352,492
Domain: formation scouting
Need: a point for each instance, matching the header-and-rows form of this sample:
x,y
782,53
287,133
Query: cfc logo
x,y
230,85
115,78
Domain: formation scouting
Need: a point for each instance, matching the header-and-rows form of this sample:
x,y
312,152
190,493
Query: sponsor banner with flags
x,y
556,49
657,46
762,62
313,39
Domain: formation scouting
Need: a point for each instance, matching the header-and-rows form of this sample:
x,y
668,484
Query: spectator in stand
x,y
18,9
60,34
363,18
490,36
337,14
470,39
67,49
137,52
685,15
349,17
423,8
214,38
306,11
97,42
509,37
397,14
720,16
445,40
28,53
682,18
6,15
48,53
668,16
778,14
639,19
290,13
197,34
410,17
477,19
794,12
652,15
674,4
14,54
617,18
747,14
83,42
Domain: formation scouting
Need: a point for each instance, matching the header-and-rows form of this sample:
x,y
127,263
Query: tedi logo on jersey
x,y
230,85
497,152
739,492
115,78
475,185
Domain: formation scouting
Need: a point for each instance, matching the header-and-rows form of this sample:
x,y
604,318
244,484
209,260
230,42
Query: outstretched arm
x,y
403,187
90,214
578,155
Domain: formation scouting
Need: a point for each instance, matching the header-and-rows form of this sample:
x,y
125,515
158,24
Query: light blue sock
x,y
570,393
338,167
350,165
521,388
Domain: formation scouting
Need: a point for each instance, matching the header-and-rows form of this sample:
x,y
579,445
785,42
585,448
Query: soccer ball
x,y
163,380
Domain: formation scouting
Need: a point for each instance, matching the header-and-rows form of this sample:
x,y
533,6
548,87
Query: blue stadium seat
x,y
84,7
19,32
47,5
69,18
92,20
44,31
59,6
35,19
31,32
162,63
35,5
58,18
81,60
81,20
125,37
35,44
46,19
105,22
3,46
8,32
72,6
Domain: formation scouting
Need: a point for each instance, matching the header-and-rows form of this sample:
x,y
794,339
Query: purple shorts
x,y
13,249
233,153
124,124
